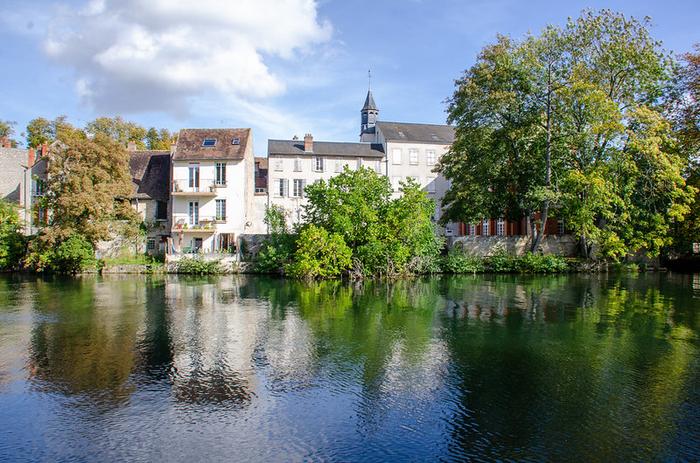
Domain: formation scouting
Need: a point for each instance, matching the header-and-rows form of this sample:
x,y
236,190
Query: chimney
x,y
308,143
31,157
131,146
44,150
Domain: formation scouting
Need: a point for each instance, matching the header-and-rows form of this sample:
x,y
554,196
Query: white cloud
x,y
155,55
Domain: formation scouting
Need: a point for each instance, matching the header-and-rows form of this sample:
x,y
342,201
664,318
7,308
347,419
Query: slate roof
x,y
418,133
150,174
325,148
261,162
189,144
369,102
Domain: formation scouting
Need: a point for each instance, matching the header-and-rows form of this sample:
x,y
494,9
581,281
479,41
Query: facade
x,y
22,182
293,164
150,172
211,189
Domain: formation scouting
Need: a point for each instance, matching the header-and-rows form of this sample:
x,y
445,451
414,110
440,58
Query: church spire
x,y
369,113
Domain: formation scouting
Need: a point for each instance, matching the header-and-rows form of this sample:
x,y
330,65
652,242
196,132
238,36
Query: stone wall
x,y
565,245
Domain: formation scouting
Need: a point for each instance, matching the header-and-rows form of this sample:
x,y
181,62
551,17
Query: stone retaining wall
x,y
565,245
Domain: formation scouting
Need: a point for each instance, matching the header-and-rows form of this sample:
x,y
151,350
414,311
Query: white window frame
x,y
501,227
279,165
485,227
318,164
430,158
413,156
193,213
220,173
298,187
396,156
221,209
297,165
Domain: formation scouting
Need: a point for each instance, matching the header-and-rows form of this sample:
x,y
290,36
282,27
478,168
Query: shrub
x,y
12,243
198,266
457,261
502,262
319,254
276,251
539,263
72,255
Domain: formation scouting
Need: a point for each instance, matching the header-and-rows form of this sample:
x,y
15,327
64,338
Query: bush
x,y
538,263
502,262
72,255
319,254
12,243
457,261
198,266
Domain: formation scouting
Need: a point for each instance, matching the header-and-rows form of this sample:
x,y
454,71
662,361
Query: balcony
x,y
181,224
181,187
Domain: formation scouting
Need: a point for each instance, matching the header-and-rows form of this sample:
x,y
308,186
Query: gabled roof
x,y
437,134
150,174
369,102
189,144
325,148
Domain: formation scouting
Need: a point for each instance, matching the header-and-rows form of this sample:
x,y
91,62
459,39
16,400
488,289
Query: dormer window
x,y
236,141
209,142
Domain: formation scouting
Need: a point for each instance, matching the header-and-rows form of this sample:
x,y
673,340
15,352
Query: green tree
x,y
319,254
12,242
570,119
276,251
119,130
42,130
7,130
158,139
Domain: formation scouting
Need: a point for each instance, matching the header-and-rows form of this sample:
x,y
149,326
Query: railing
x,y
204,223
183,186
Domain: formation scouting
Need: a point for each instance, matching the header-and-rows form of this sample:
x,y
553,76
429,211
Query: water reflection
x,y
500,367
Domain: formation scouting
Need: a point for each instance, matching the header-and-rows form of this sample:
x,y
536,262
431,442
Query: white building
x,y
293,164
212,189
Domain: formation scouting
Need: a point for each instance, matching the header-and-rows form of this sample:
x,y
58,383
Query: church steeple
x,y
369,113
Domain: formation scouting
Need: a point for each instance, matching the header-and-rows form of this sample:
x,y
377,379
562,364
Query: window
x,y
221,173
485,227
338,166
151,244
430,187
236,141
396,156
298,190
281,187
472,229
161,210
560,228
430,157
318,164
378,166
297,165
39,187
279,165
413,156
221,209
501,227
194,213
209,142
194,177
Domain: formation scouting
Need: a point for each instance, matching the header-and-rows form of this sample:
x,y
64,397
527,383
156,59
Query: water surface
x,y
563,368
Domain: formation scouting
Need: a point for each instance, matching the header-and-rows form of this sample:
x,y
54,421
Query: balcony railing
x,y
207,187
182,223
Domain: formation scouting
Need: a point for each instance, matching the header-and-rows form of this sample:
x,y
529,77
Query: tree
x,y
119,130
564,120
276,251
7,130
159,139
319,254
12,242
43,131
87,193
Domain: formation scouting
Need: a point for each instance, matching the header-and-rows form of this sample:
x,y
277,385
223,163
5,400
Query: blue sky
x,y
282,67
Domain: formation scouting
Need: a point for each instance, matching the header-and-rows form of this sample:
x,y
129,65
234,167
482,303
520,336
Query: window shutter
x,y
303,187
286,187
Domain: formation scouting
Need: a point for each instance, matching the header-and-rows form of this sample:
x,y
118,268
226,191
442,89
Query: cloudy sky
x,y
283,67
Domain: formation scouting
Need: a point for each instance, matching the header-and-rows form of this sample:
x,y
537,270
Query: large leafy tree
x,y
7,130
42,130
570,119
118,130
159,139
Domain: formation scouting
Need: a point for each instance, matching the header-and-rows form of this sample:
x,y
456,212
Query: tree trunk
x,y
537,239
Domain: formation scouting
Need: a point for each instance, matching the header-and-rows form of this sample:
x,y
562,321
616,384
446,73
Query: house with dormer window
x,y
211,190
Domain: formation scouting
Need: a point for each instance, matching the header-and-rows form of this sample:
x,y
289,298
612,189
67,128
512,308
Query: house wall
x,y
434,184
565,245
283,167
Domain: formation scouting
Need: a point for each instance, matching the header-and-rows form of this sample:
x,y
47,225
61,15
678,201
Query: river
x,y
235,368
